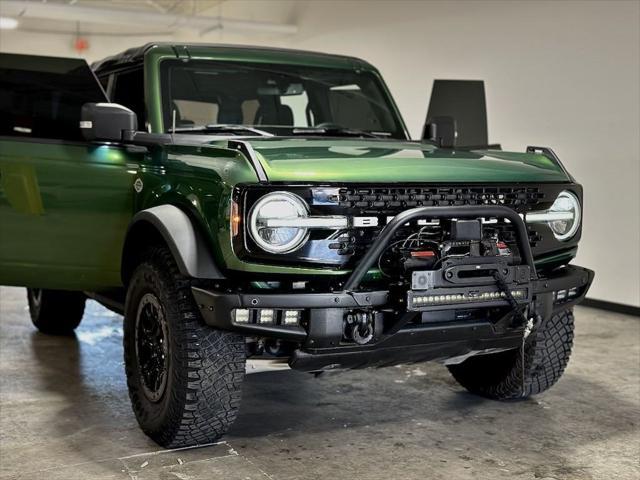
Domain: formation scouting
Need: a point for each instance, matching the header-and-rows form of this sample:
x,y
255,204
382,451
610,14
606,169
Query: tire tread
x,y
208,368
59,313
499,376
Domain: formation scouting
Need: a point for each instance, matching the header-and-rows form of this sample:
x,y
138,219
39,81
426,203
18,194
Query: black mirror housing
x,y
464,101
109,122
442,130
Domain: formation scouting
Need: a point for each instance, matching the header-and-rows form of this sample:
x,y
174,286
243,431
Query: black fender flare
x,y
179,233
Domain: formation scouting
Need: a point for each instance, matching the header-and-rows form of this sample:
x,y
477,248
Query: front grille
x,y
384,202
393,200
343,249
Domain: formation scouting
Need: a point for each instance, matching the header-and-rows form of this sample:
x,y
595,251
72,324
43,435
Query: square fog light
x,y
266,316
291,317
241,315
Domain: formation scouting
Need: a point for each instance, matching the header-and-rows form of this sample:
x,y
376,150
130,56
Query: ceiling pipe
x,y
112,16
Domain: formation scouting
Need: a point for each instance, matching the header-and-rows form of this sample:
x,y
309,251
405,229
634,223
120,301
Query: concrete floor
x,y
64,414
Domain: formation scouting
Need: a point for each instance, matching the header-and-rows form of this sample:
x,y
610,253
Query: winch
x,y
459,263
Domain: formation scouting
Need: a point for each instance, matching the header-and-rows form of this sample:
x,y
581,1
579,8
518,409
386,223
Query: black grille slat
x,y
389,200
385,201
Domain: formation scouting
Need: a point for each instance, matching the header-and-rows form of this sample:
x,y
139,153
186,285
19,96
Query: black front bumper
x,y
320,336
403,339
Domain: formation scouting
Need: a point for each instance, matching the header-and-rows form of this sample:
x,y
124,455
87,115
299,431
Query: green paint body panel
x,y
376,161
64,212
65,207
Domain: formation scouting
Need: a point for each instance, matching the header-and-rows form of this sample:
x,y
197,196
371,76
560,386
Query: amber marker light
x,y
235,219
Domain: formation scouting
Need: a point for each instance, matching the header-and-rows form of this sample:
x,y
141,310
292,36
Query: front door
x,y
64,203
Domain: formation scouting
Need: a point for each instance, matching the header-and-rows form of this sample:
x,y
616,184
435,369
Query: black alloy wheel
x,y
152,347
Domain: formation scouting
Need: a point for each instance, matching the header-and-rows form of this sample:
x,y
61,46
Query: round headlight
x,y
566,225
272,222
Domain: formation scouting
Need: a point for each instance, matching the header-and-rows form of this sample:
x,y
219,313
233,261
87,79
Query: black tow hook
x,y
358,327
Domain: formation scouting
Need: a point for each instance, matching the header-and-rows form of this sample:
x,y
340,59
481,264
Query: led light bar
x,y
329,222
548,216
447,299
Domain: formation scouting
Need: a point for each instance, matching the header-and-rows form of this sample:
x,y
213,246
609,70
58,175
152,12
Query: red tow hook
x,y
423,254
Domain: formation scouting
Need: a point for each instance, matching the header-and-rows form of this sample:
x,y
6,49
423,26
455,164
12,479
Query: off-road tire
x,y
499,375
205,367
55,312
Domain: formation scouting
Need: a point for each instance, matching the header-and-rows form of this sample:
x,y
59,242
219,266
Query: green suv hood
x,y
375,161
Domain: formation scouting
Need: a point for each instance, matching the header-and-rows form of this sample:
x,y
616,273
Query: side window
x,y
104,81
128,90
41,97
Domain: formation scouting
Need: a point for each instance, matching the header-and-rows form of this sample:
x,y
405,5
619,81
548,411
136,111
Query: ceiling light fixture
x,y
8,23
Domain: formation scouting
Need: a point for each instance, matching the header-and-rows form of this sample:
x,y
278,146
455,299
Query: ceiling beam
x,y
114,16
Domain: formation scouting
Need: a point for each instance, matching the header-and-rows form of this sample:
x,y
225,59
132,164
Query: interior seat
x,y
270,114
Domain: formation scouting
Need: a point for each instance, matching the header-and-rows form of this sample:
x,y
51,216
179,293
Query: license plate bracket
x,y
469,274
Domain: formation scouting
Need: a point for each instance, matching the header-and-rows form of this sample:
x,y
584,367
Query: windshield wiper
x,y
222,128
338,131
244,129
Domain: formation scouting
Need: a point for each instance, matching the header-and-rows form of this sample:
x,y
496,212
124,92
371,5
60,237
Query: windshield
x,y
279,99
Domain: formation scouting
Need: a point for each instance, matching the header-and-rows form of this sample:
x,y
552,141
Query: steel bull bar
x,y
320,328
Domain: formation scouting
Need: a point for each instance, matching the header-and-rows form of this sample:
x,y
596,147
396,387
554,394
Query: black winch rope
x,y
518,314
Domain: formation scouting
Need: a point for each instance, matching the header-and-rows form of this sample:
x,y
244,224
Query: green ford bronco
x,y
248,209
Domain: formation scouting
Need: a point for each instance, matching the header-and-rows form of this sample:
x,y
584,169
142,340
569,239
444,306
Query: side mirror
x,y
443,131
108,122
464,101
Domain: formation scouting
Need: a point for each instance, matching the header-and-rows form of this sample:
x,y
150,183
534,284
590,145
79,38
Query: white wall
x,y
560,74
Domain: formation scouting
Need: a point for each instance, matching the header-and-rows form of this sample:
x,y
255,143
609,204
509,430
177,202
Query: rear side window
x,y
41,97
104,81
